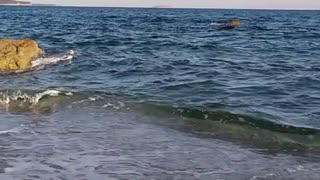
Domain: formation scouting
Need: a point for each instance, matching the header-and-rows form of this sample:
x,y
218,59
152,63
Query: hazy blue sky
x,y
291,4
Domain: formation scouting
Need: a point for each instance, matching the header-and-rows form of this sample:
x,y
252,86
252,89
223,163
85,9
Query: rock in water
x,y
235,22
17,54
225,25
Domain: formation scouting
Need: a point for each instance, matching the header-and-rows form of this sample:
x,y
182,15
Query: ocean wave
x,y
44,61
226,117
31,97
12,130
219,123
7,97
267,134
40,62
52,100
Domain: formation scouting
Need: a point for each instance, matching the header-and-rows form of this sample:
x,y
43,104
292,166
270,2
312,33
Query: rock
x,y
231,24
225,25
17,54
235,22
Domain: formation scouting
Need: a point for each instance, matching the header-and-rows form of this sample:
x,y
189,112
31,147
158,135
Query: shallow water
x,y
162,94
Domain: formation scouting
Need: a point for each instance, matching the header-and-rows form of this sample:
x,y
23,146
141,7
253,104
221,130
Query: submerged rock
x,y
234,22
17,54
224,25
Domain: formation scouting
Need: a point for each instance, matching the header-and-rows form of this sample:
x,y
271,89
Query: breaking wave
x,y
44,61
103,99
251,130
8,97
270,134
40,62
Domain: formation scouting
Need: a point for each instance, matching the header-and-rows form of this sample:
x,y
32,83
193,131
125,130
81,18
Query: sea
x,y
162,94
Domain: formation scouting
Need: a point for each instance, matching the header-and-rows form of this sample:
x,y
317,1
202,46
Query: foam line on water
x,y
52,60
13,130
7,97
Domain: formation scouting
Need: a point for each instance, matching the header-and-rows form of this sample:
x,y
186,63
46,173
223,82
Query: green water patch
x,y
243,129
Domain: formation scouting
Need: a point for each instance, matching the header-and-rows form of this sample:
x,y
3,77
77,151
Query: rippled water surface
x,y
162,94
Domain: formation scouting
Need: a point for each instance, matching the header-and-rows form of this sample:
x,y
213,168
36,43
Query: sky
x,y
250,4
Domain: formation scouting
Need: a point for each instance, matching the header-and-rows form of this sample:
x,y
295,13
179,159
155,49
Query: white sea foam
x,y
38,96
107,105
13,130
41,62
9,170
20,96
214,24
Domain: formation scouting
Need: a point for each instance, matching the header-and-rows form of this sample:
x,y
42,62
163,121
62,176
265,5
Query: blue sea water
x,y
162,94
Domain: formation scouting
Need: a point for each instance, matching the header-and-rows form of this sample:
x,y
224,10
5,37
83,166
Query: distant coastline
x,y
15,3
44,5
21,3
163,6
25,3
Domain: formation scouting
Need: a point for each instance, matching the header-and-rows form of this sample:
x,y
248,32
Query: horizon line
x,y
153,7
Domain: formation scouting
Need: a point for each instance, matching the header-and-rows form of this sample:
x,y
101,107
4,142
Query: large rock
x,y
235,22
17,54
